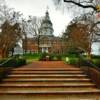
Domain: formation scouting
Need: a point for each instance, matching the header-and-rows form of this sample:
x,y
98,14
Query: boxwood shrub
x,y
96,62
55,57
14,62
43,56
51,57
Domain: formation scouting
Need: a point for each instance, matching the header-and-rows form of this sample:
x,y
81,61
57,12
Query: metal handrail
x,y
5,62
90,63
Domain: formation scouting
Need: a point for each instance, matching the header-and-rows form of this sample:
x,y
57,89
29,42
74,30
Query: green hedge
x,y
14,62
31,57
55,57
7,64
95,56
96,62
72,60
75,59
50,57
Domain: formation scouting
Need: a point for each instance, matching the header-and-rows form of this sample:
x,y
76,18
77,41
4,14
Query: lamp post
x,y
0,50
0,30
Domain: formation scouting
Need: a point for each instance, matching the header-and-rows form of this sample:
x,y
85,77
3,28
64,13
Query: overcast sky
x,y
38,8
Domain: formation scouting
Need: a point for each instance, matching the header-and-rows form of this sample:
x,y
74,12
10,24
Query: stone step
x,y
46,76
48,91
46,72
47,79
57,79
42,78
47,88
48,84
46,69
61,96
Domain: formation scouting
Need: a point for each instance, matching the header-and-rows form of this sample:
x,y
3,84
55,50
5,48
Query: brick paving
x,y
48,65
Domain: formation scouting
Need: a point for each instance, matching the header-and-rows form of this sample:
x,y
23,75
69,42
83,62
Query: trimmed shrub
x,y
14,62
43,56
96,62
96,56
72,61
50,57
55,57
31,56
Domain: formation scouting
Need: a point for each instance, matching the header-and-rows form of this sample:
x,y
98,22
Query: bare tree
x,y
9,14
82,32
82,6
92,8
9,36
34,28
24,29
78,36
10,28
92,4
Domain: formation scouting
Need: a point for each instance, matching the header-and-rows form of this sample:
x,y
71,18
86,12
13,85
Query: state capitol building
x,y
46,41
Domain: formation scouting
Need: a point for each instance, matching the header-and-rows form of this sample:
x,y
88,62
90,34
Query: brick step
x,y
41,84
47,91
41,78
45,82
61,96
47,69
45,79
50,73
46,76
46,72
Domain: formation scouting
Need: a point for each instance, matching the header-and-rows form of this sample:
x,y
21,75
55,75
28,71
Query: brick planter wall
x,y
94,74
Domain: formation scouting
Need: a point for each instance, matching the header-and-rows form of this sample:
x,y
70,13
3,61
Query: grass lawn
x,y
31,57
74,60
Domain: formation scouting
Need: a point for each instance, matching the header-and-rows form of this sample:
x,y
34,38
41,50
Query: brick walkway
x,y
48,65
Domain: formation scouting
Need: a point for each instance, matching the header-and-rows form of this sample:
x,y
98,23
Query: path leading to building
x,y
50,80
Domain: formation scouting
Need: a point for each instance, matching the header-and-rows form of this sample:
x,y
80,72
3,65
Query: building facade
x,y
46,41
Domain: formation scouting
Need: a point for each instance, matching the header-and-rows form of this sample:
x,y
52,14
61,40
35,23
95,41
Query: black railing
x,y
4,62
91,70
4,71
85,62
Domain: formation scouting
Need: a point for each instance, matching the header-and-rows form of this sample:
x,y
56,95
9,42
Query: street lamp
x,y
0,30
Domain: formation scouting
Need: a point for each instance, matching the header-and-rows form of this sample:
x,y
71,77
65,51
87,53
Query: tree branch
x,y
81,5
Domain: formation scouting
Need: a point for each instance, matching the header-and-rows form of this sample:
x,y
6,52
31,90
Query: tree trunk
x,y
89,53
38,42
4,53
12,52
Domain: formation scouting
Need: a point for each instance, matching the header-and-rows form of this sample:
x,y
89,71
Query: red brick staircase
x,y
48,81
